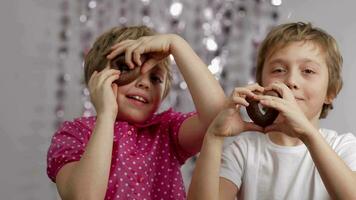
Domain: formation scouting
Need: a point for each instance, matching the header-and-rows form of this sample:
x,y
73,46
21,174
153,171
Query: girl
x,y
128,151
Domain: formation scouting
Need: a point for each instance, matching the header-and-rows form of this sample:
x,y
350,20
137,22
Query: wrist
x,y
213,140
213,134
175,41
106,117
309,137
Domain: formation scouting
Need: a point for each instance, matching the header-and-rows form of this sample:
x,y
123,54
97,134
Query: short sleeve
x,y
67,146
175,120
346,148
233,162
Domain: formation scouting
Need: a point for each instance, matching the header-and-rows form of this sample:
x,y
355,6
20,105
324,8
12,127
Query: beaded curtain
x,y
224,33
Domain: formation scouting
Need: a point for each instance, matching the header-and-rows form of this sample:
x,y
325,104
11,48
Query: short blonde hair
x,y
280,36
96,59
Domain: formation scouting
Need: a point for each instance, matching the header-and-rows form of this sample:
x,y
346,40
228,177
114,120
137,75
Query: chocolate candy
x,y
257,116
127,75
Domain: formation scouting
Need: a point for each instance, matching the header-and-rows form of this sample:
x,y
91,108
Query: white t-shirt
x,y
264,170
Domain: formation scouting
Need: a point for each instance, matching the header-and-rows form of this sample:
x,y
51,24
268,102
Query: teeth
x,y
139,98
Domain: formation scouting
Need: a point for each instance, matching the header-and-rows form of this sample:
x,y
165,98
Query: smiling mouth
x,y
138,98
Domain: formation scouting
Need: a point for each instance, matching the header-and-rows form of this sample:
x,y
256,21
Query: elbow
x,y
353,196
81,195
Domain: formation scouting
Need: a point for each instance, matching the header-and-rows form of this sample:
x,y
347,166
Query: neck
x,y
282,139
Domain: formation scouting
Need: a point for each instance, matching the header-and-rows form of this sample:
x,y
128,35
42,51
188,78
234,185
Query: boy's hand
x,y
229,122
157,47
291,120
103,92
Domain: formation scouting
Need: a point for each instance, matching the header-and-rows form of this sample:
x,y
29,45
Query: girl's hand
x,y
103,92
229,122
291,120
157,47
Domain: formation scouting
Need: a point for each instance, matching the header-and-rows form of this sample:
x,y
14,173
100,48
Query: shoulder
x,y
333,137
246,141
171,113
169,116
77,125
336,140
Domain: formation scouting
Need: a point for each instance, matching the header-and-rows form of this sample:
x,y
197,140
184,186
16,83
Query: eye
x,y
156,79
278,70
308,71
119,63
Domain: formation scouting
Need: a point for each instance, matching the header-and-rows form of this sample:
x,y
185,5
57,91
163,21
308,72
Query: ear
x,y
329,99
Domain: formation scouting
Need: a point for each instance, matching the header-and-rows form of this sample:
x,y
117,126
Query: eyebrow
x,y
304,60
159,71
307,60
277,60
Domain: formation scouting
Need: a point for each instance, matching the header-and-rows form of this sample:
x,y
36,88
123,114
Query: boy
x,y
293,158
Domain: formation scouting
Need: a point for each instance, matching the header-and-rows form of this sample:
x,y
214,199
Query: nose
x,y
143,82
292,80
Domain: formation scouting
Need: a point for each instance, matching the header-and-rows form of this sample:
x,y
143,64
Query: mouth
x,y
138,98
299,99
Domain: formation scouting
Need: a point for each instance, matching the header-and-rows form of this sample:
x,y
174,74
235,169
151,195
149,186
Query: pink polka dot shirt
x,y
146,159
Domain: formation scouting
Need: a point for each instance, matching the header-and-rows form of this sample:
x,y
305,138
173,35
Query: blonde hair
x,y
280,36
96,59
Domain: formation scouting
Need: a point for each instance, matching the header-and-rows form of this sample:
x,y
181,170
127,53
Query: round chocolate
x,y
257,116
127,75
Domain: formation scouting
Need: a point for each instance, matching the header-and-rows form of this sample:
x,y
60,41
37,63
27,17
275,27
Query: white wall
x,y
27,84
28,30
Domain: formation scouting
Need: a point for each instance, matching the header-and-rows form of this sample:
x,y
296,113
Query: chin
x,y
133,119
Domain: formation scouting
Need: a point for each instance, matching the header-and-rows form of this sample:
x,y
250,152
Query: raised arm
x,y
206,183
207,94
88,177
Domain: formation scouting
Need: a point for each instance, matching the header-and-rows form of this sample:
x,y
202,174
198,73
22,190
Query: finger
x,y
250,126
148,65
240,101
255,87
128,54
276,87
243,92
137,55
272,127
92,78
115,46
110,79
282,89
119,45
119,49
273,102
114,89
104,74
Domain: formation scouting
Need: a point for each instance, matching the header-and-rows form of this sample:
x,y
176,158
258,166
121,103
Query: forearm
x,y
207,94
205,181
337,177
89,178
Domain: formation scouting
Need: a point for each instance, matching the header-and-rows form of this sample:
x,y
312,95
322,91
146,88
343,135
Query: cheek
x,y
316,94
159,91
266,81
